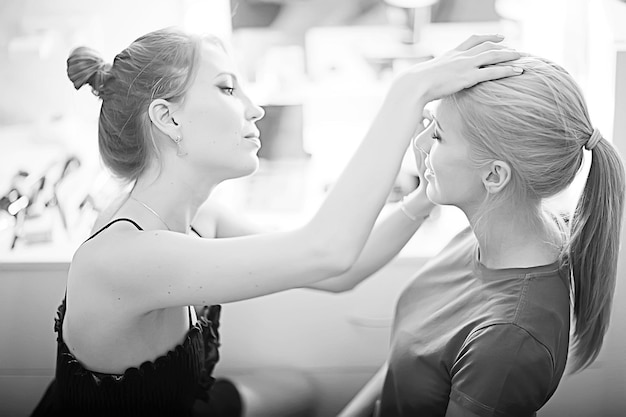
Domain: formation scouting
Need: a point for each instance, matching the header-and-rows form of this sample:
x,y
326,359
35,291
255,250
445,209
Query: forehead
x,y
447,117
450,126
213,60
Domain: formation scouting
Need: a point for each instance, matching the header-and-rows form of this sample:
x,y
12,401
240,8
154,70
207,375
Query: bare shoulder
x,y
94,290
100,261
139,268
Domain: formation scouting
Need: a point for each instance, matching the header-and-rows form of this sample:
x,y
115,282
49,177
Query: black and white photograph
x,y
312,208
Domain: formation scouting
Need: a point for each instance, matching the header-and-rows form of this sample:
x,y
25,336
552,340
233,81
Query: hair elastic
x,y
593,139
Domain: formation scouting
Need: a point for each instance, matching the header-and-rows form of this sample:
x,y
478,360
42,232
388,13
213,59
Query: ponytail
x,y
539,126
593,251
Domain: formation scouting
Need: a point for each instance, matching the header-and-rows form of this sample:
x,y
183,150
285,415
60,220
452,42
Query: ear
x,y
496,176
161,114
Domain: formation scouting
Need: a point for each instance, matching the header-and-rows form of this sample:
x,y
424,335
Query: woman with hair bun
x,y
484,327
175,122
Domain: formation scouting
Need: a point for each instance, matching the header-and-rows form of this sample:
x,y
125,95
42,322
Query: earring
x,y
179,148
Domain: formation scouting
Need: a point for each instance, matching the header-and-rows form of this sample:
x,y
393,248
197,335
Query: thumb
x,y
421,148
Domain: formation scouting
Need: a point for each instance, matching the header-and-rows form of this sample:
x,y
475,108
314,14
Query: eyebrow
x,y
234,77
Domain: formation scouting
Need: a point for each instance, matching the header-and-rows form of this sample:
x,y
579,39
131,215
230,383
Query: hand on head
x,y
466,65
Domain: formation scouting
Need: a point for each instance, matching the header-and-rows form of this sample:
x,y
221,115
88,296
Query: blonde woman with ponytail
x,y
484,328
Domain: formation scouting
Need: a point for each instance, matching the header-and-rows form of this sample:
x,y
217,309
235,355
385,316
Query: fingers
x,y
424,141
475,40
496,56
495,72
486,64
485,47
421,147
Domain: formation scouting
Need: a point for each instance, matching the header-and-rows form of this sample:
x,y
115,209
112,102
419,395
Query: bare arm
x,y
174,269
156,269
388,237
392,232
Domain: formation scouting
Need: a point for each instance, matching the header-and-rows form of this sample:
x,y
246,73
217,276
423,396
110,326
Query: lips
x,y
254,139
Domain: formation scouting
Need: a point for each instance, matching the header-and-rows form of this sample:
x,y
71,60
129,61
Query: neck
x,y
510,237
174,197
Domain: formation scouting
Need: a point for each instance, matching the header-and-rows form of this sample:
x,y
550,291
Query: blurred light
x,y
37,46
18,205
209,16
411,4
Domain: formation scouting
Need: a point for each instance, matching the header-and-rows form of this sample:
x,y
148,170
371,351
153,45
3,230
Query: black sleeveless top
x,y
167,386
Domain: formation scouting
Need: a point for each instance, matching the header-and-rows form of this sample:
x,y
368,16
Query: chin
x,y
252,171
254,165
435,197
247,170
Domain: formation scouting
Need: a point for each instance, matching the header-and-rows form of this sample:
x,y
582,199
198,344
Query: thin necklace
x,y
151,211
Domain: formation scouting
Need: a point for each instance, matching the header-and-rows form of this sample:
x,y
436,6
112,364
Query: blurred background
x,y
320,69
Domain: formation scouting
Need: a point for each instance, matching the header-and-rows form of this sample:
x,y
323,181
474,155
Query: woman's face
x,y
217,119
451,178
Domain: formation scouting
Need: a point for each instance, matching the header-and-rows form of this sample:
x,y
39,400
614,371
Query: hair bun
x,y
86,66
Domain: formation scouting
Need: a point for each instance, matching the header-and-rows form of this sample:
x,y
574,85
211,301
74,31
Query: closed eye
x,y
228,90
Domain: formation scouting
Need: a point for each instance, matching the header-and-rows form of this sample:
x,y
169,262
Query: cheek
x,y
210,130
223,123
217,114
451,174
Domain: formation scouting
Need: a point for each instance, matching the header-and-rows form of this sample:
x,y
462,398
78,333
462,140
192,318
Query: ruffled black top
x,y
167,386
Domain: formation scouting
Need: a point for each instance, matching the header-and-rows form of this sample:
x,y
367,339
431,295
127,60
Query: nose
x,y
254,112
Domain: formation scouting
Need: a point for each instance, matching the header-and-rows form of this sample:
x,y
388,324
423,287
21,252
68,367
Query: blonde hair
x,y
160,64
538,122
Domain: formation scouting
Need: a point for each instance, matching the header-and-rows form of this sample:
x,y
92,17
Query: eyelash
x,y
436,136
228,90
